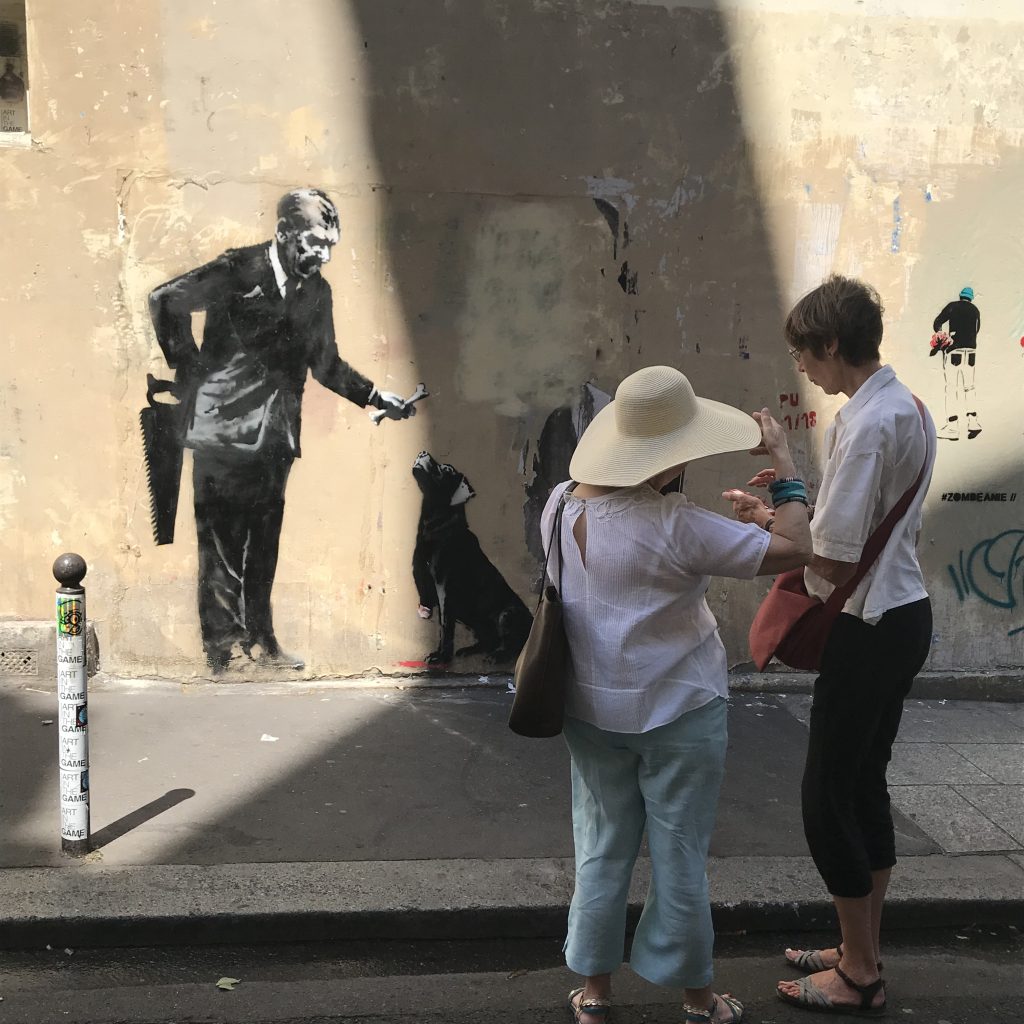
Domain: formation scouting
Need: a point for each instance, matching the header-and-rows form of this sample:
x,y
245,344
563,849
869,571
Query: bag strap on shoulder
x,y
555,540
875,544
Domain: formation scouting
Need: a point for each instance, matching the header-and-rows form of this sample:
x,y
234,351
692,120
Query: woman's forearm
x,y
836,573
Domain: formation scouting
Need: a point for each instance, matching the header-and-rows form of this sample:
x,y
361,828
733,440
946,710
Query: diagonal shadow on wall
x,y
567,195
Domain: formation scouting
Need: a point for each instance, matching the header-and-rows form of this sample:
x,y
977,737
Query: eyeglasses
x,y
795,354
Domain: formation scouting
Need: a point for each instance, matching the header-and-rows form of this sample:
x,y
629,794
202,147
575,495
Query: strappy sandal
x,y
596,1007
812,998
810,961
695,1016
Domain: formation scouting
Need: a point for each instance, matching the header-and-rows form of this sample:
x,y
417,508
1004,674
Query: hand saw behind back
x,y
161,443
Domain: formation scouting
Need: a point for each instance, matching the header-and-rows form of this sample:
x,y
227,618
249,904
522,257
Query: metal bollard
x,y
72,691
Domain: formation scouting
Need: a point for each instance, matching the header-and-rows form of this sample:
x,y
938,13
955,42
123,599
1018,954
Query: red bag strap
x,y
875,544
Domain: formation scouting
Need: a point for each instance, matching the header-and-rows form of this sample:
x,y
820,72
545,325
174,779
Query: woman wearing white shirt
x,y
646,711
877,448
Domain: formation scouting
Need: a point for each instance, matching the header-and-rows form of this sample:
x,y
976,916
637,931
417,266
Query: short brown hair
x,y
841,308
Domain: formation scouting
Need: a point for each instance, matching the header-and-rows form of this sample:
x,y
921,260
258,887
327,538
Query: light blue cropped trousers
x,y
667,781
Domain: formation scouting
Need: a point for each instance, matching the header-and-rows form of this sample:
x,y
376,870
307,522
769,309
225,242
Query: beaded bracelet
x,y
790,490
783,496
785,500
786,482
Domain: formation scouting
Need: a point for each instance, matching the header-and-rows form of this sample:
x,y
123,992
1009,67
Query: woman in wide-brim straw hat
x,y
646,711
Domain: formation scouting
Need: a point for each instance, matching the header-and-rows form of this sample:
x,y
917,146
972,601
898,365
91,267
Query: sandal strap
x,y
694,1015
867,992
809,997
594,1006
839,950
809,960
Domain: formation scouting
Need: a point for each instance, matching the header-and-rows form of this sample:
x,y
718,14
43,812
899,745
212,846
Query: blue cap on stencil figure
x,y
967,293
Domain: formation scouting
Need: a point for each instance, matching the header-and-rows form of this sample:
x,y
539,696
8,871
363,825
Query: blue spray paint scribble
x,y
897,225
993,570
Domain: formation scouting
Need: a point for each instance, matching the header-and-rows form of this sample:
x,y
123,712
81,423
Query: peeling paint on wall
x,y
520,314
817,236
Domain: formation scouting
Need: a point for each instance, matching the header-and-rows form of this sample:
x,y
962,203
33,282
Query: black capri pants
x,y
866,673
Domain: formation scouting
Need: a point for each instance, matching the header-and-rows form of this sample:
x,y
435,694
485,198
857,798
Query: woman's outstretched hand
x,y
773,437
746,507
773,444
763,478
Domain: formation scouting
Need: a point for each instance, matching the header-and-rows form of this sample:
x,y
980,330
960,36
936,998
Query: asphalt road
x,y
964,977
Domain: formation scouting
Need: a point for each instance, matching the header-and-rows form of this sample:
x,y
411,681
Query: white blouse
x,y
645,646
875,448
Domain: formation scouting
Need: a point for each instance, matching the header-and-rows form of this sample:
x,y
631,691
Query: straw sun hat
x,y
654,423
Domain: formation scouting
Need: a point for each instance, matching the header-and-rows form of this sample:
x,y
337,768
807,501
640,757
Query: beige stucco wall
x,y
749,147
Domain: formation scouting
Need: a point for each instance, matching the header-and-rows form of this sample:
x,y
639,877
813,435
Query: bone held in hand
x,y
392,413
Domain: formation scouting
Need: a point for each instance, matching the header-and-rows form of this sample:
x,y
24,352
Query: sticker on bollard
x,y
70,616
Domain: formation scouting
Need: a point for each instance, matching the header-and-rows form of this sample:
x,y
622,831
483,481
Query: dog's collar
x,y
453,518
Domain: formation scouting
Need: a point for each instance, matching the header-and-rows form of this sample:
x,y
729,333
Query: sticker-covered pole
x,y
72,693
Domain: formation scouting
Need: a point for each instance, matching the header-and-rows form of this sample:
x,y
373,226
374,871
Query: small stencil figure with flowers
x,y
958,346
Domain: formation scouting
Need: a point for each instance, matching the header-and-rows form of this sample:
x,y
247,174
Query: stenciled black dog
x,y
453,574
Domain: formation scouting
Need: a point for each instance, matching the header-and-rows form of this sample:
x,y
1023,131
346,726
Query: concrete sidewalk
x,y
227,813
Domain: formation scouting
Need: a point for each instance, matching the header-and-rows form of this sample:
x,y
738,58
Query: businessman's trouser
x,y
239,505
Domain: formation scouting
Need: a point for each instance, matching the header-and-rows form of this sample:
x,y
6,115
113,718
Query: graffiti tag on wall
x,y
993,570
796,420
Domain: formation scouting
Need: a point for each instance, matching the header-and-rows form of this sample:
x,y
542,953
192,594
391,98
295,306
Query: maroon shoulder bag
x,y
794,626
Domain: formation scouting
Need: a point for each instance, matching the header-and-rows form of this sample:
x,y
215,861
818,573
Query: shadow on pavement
x,y
29,778
121,827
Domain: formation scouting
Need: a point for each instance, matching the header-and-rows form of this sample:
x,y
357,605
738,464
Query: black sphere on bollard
x,y
69,570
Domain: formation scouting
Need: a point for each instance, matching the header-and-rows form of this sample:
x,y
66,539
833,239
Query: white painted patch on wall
x,y
97,243
10,479
686,192
423,81
521,322
612,189
714,78
817,235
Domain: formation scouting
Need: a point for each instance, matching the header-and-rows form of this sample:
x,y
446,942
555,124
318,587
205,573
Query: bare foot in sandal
x,y
587,1009
724,1009
813,961
835,991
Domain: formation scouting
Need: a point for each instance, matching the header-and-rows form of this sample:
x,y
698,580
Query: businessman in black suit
x,y
269,322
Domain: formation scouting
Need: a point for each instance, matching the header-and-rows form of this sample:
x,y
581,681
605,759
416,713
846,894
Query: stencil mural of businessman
x,y
269,323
